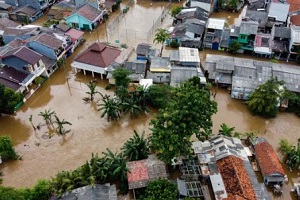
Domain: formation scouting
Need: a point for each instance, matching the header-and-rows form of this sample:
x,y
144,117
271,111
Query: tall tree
x,y
160,37
121,76
264,101
111,108
92,89
136,148
188,112
9,99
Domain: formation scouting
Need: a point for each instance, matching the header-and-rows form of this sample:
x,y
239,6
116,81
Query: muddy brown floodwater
x,y
63,93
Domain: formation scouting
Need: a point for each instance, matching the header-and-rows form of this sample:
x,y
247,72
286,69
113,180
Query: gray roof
x,y
174,56
195,12
279,11
181,29
282,32
142,49
28,10
256,4
295,34
5,22
137,69
181,74
225,65
259,16
4,5
235,31
88,12
225,38
160,63
249,27
96,192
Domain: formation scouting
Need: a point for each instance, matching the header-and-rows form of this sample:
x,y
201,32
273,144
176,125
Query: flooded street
x,y
63,93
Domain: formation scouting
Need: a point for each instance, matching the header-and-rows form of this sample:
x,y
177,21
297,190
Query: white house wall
x,y
87,67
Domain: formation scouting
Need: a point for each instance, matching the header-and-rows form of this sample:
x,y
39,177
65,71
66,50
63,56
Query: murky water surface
x,y
63,93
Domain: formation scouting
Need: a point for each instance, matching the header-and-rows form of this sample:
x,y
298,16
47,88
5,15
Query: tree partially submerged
x,y
188,112
266,98
9,99
7,150
160,37
292,154
92,89
121,76
234,47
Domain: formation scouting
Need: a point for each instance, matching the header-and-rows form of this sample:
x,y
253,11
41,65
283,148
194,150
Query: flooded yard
x,y
63,93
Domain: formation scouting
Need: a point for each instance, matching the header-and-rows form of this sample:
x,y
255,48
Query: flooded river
x,y
63,93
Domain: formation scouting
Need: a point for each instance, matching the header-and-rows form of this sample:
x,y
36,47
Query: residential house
x,y
263,45
62,27
47,45
5,22
294,42
159,70
61,10
181,74
259,16
98,57
225,39
15,79
85,18
256,5
294,14
144,51
213,35
97,191
25,14
277,13
25,60
224,161
268,162
76,37
185,57
187,35
281,37
137,69
206,5
10,33
289,74
5,9
191,13
38,5
219,69
247,34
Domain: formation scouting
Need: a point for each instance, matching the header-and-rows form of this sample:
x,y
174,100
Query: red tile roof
x,y
98,54
46,40
236,178
10,77
267,159
74,34
295,6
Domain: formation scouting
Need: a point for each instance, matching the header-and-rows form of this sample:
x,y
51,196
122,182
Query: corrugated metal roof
x,y
279,11
188,55
216,23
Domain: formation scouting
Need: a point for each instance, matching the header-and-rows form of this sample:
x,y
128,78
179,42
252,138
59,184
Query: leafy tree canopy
x,y
234,46
161,189
292,154
9,99
6,149
188,112
175,10
159,95
121,77
265,99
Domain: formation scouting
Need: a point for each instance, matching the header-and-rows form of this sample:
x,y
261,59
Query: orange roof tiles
x,y
236,179
295,6
267,159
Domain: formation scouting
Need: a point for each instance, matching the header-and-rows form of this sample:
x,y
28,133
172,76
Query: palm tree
x,y
110,107
136,148
60,125
47,115
92,89
160,37
122,93
226,130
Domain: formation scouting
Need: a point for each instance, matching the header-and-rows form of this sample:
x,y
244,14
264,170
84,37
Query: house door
x,y
215,46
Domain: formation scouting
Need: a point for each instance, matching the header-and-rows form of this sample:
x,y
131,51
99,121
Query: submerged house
x,y
25,14
263,45
191,13
294,42
213,34
277,13
247,34
268,162
159,70
281,37
85,17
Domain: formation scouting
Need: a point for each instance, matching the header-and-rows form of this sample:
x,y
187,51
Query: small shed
x,y
143,171
144,51
268,162
137,69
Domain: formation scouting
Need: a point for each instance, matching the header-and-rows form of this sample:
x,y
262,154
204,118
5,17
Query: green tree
x,y
92,89
226,130
188,112
111,108
234,46
293,102
160,37
7,150
121,76
159,95
41,191
136,148
265,99
292,154
131,106
9,99
60,125
175,10
9,193
161,189
30,120
233,4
